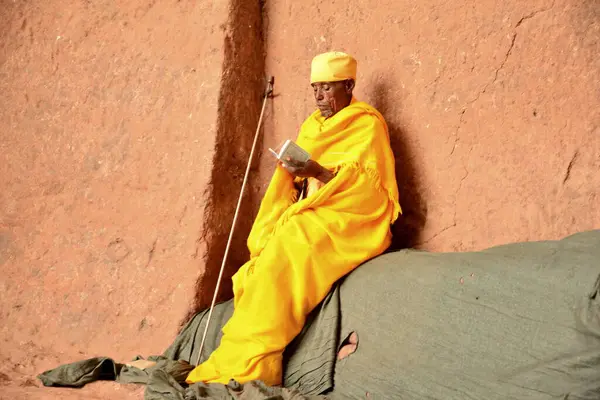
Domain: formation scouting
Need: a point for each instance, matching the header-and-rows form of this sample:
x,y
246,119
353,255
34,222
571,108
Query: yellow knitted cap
x,y
332,67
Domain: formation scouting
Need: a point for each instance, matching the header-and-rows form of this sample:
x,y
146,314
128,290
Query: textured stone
x,y
122,147
492,107
108,124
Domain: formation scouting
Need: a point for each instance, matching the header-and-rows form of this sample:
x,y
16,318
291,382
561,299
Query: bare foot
x,y
348,346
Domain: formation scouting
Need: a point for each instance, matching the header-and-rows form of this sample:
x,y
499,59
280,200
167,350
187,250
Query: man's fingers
x,y
289,168
290,162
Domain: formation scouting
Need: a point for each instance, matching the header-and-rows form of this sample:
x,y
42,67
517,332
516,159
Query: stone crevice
x,y
510,50
454,221
534,13
437,234
151,253
570,166
512,43
496,72
435,83
456,137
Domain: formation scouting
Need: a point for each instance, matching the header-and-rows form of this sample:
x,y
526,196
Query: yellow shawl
x,y
299,249
356,139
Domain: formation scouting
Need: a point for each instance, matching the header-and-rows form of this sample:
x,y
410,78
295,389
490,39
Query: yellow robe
x,y
299,249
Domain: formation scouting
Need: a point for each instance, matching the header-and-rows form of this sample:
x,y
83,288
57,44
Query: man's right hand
x,y
308,169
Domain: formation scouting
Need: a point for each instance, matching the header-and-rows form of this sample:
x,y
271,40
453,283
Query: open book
x,y
291,150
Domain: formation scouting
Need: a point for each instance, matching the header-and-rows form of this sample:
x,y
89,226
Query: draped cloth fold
x,y
299,249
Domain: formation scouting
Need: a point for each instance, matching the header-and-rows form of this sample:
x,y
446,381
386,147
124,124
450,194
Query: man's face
x,y
331,97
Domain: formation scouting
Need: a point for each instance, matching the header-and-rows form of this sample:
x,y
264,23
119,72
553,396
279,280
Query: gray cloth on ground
x,y
80,373
308,369
519,321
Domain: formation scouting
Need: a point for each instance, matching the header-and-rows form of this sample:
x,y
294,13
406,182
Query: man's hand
x,y
309,169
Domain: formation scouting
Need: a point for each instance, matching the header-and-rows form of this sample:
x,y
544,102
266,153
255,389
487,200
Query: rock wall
x,y
492,108
124,132
242,92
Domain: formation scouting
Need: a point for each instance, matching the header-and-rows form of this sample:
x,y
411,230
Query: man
x,y
304,240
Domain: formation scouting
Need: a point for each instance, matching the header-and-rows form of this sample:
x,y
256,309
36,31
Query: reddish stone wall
x,y
492,108
242,91
125,131
108,124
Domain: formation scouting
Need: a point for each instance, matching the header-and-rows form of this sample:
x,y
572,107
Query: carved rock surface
x,y
125,131
492,108
108,119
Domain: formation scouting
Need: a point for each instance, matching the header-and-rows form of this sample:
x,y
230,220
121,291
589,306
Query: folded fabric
x,y
308,369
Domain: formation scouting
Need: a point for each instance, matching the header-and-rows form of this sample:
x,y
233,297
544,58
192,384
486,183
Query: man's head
x,y
332,77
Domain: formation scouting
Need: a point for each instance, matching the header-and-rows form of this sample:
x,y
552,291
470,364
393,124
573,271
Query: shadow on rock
x,y
409,226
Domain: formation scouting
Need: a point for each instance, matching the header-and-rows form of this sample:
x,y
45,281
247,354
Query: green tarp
x,y
308,370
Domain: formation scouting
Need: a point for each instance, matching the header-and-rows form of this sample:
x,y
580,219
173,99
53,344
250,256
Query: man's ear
x,y
349,86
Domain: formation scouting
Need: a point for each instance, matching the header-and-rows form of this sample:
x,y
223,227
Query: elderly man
x,y
317,222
